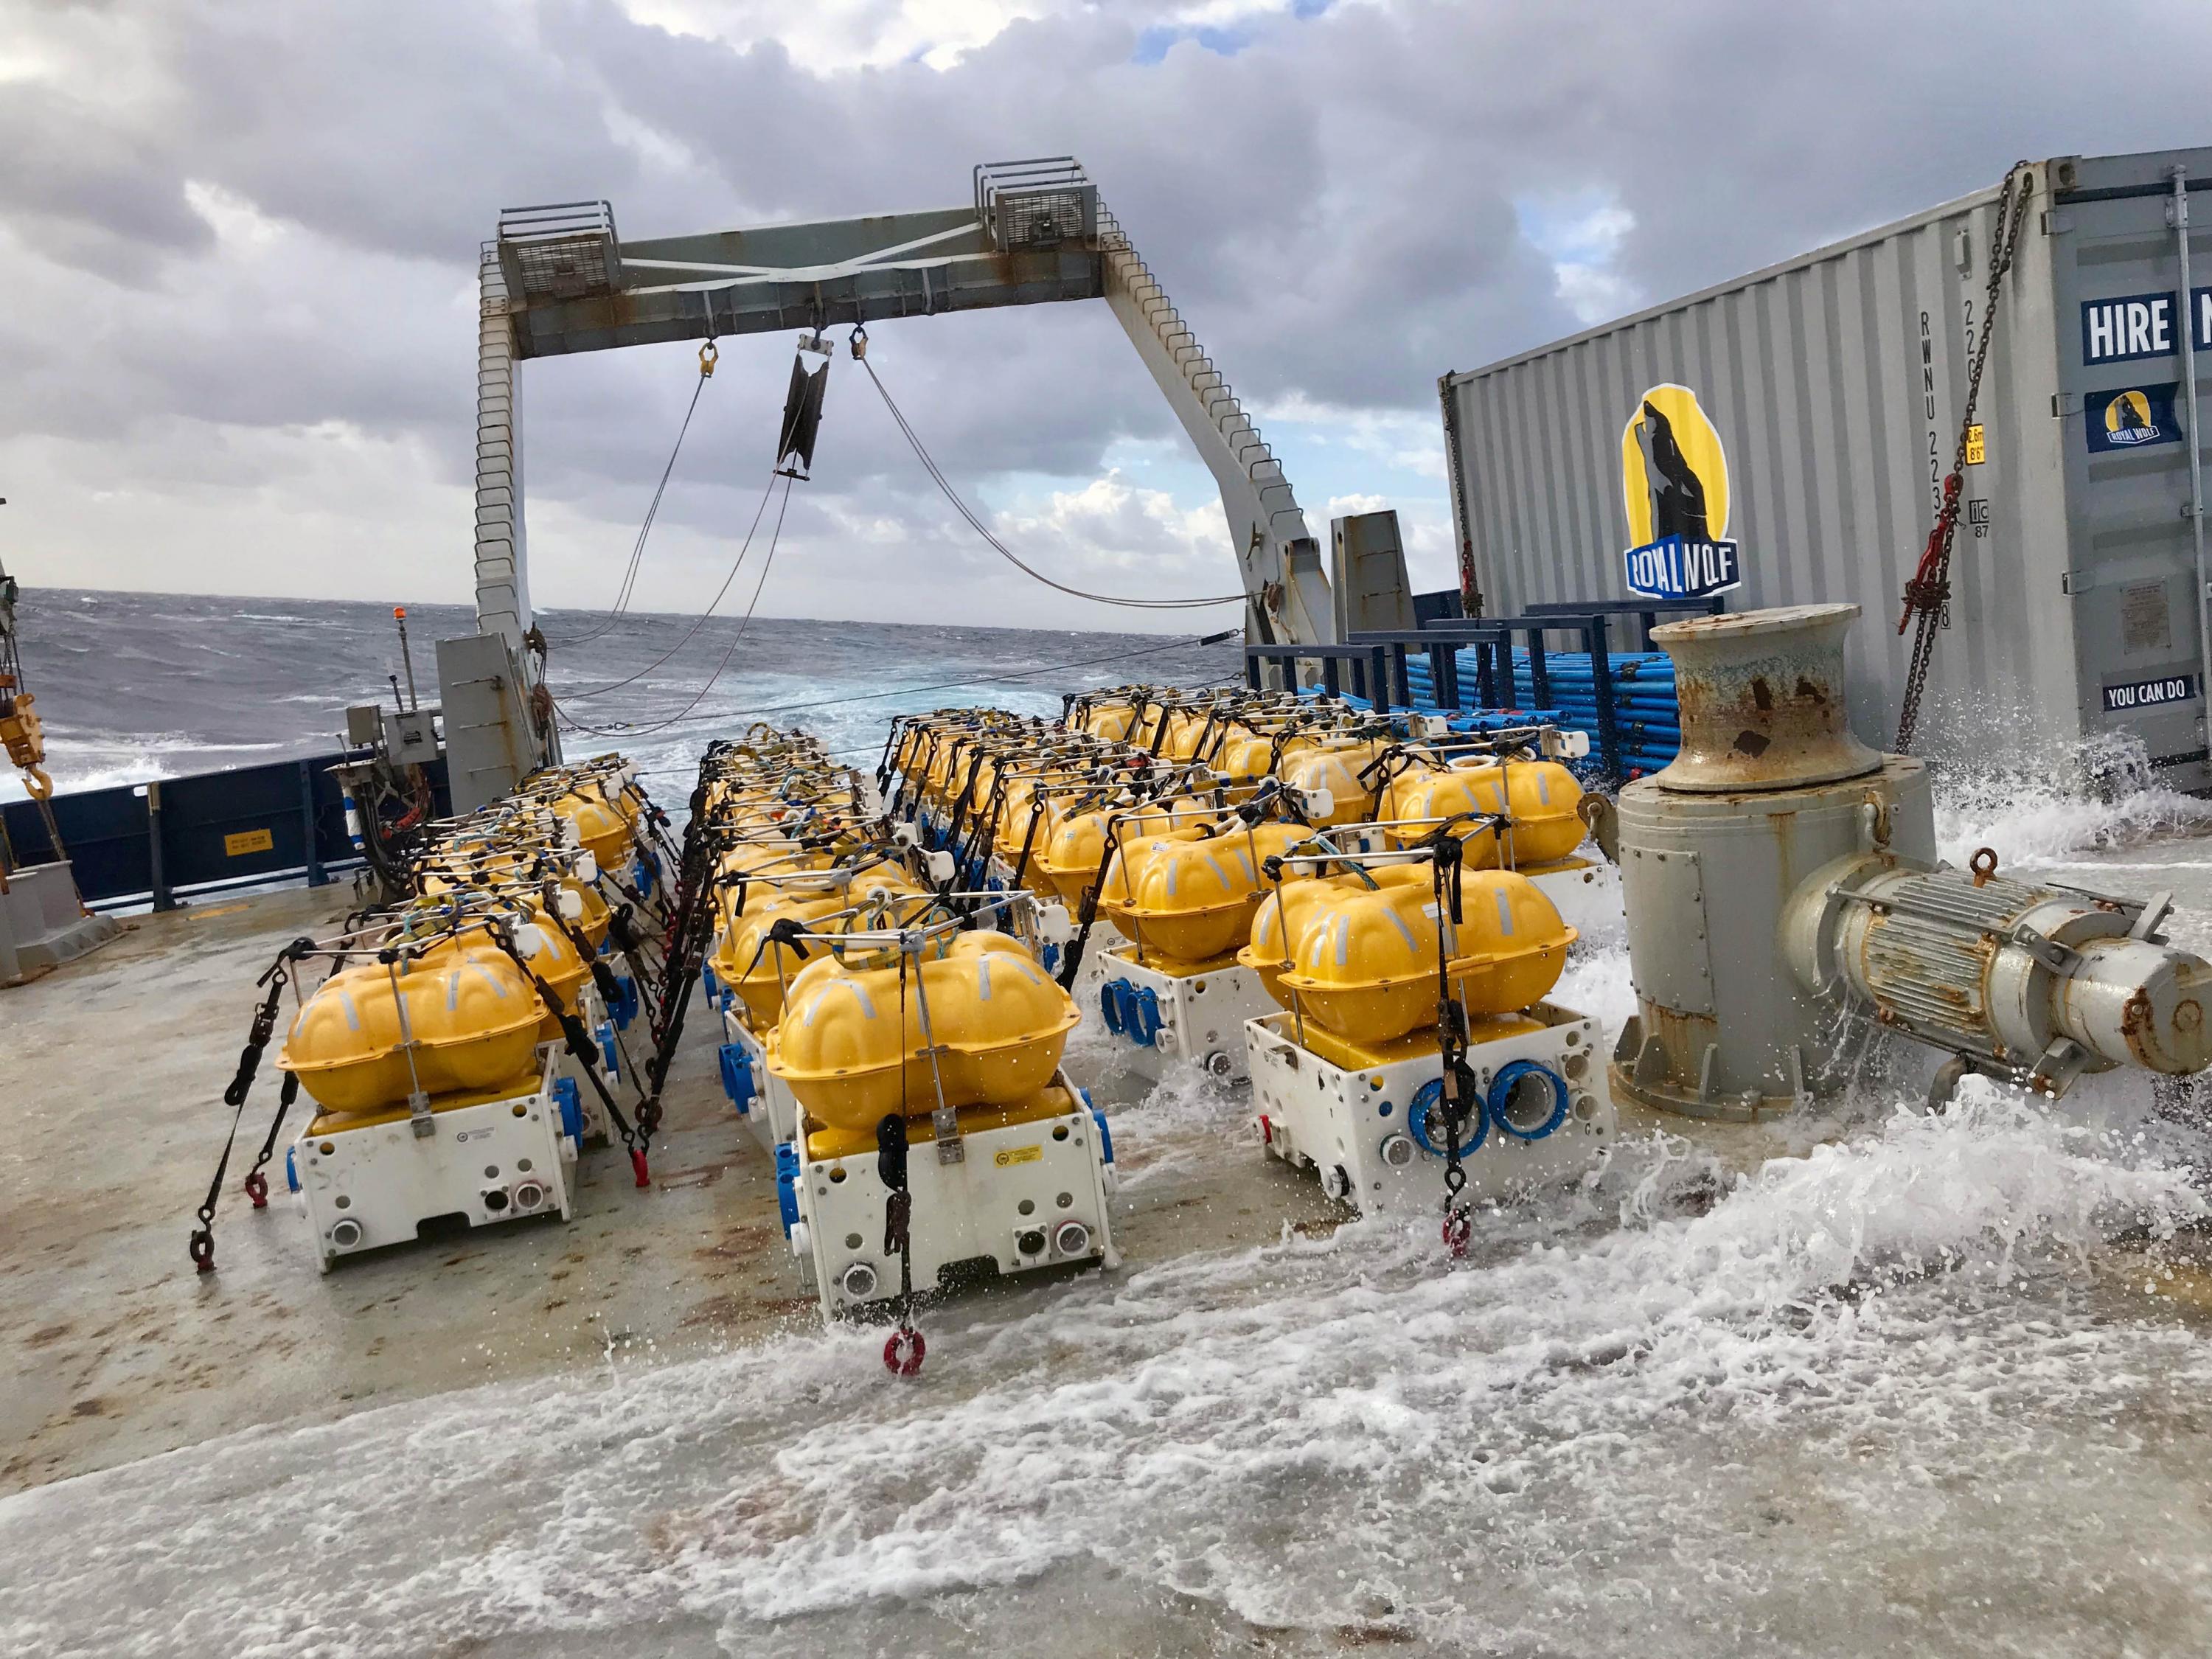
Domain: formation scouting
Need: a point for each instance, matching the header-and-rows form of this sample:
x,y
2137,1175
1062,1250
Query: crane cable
x,y
999,547
701,621
707,354
768,563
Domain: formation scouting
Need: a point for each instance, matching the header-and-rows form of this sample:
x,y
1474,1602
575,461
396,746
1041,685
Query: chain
x,y
264,1026
1928,594
581,1046
1456,1102
903,1351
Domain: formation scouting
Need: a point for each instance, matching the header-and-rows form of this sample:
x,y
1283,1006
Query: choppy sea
x,y
136,686
1927,1386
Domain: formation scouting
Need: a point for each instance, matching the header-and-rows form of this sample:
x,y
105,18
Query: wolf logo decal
x,y
1675,485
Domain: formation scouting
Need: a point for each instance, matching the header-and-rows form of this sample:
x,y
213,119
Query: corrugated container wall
x,y
1818,405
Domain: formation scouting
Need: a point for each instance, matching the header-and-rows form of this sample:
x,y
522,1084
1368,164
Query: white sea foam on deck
x,y
2045,812
1830,1414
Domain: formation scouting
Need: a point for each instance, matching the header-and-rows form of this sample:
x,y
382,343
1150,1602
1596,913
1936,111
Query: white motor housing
x,y
2036,985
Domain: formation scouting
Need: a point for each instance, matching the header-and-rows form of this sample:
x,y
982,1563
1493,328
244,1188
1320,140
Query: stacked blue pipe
x,y
1473,719
1647,716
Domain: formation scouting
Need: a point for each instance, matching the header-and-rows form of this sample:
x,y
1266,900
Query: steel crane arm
x,y
558,279
1277,554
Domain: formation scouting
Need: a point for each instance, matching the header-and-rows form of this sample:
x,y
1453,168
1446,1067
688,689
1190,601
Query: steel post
x,y
163,898
317,875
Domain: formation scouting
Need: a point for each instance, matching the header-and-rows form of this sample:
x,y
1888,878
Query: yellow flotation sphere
x,y
1245,758
1544,802
758,969
611,793
1424,799
1510,946
778,854
1071,848
1018,805
1338,770
1188,897
472,1014
1280,919
552,955
1365,965
1186,727
998,1022
1110,723
600,829
596,917
545,947
1541,798
907,753
1071,856
1362,962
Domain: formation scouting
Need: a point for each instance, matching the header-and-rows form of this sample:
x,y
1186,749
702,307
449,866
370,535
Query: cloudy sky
x,y
238,249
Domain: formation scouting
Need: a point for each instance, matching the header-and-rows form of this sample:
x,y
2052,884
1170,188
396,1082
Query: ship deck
x,y
1214,1450
117,1119
116,1116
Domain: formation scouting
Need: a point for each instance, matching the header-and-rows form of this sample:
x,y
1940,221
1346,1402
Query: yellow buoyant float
x,y
1246,753
1017,804
756,967
758,971
1110,722
595,916
1336,768
999,1023
1361,962
472,1014
1281,915
601,830
1186,727
1188,895
553,957
1072,855
541,944
1540,798
1511,944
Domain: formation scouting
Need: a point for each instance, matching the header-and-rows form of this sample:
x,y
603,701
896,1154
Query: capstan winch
x,y
1781,877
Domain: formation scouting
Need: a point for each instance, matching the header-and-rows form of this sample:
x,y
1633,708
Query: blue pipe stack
x,y
1647,715
1470,720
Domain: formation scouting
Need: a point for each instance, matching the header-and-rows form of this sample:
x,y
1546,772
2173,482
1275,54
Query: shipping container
x,y
1791,431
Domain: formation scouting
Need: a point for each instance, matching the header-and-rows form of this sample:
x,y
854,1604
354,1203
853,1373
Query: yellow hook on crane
x,y
707,354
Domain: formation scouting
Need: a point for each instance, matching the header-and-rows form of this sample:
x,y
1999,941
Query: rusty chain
x,y
1928,594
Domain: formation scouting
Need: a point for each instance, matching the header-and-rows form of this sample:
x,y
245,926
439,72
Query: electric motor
x,y
2036,984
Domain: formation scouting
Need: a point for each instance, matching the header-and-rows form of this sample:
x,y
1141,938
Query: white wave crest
x,y
2083,798
1622,1430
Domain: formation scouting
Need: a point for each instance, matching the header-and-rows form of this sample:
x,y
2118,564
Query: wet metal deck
x,y
115,1115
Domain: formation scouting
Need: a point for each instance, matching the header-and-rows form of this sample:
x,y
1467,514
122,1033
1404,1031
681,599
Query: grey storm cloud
x,y
265,215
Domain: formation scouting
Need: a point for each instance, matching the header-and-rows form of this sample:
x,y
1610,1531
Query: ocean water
x,y
135,686
1931,1386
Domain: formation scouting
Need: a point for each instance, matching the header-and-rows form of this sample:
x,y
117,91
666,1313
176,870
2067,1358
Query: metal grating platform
x,y
560,251
1036,203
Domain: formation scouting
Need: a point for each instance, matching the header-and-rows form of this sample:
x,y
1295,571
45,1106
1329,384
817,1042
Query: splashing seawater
x,y
2089,797
1834,1412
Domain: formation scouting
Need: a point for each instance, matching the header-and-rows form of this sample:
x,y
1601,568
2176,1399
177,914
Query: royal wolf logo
x,y
1673,472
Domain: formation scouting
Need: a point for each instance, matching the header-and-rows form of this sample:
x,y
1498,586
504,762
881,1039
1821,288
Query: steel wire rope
x,y
701,621
1006,553
768,563
626,592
